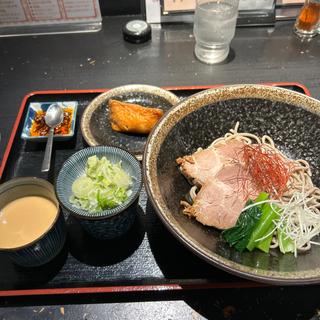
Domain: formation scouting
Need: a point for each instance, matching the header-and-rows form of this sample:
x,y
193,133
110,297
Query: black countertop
x,y
104,60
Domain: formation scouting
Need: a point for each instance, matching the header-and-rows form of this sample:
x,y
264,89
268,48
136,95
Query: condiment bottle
x,y
308,21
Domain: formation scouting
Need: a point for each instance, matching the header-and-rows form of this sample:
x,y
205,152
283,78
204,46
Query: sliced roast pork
x,y
200,166
239,180
225,186
217,204
205,163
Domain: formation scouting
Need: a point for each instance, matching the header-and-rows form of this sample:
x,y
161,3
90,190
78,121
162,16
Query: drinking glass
x,y
214,28
308,21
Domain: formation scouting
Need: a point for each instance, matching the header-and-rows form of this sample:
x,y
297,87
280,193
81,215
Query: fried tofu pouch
x,y
133,118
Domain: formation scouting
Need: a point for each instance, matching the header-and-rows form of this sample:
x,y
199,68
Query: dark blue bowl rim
x,y
59,212
108,215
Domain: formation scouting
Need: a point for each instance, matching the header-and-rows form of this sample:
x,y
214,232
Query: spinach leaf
x,y
239,235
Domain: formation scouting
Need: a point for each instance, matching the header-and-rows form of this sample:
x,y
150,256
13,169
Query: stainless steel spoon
x,y
53,117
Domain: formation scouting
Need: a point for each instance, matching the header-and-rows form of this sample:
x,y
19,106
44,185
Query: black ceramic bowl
x,y
106,224
291,119
48,244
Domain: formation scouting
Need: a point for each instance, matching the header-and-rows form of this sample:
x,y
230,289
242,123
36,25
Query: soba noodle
x,y
300,195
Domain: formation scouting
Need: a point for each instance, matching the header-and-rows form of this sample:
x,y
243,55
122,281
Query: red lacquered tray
x,y
148,258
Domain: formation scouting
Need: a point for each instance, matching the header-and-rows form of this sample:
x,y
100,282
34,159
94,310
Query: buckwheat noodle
x,y
299,188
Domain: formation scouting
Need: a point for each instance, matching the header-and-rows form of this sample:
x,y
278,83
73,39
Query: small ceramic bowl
x,y
35,107
95,123
110,223
46,246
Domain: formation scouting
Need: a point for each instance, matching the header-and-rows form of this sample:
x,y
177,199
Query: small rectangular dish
x,y
34,128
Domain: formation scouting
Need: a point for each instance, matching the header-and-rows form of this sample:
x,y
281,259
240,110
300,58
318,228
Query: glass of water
x,y
214,28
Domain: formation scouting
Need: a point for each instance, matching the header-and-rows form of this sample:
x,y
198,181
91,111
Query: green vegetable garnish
x,y
256,226
264,227
264,244
239,235
104,186
262,197
286,244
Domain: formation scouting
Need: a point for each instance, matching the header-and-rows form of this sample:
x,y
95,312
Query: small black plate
x,y
95,124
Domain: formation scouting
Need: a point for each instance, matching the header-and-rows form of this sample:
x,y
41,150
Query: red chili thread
x,y
269,170
246,188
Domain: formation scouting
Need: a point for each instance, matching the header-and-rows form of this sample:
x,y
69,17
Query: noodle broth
x,y
32,226
24,220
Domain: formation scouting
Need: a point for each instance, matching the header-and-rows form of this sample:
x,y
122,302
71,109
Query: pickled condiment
x,y
40,128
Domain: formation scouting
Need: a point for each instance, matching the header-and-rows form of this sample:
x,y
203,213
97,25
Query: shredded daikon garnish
x,y
258,203
299,221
